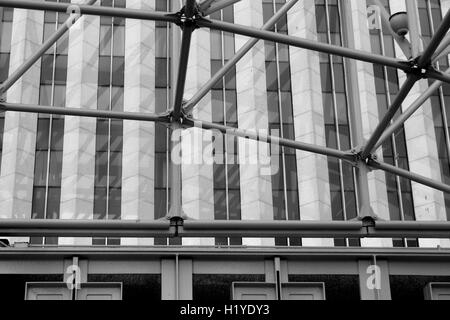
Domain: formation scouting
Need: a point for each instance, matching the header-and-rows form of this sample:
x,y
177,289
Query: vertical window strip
x,y
162,133
337,128
279,99
5,52
399,190
50,128
227,197
109,133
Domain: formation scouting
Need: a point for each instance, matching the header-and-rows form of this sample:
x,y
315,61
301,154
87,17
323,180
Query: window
x,y
5,50
227,195
278,76
109,133
50,128
162,133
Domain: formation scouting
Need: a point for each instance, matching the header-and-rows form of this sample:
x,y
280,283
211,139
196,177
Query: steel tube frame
x,y
236,58
18,107
396,104
252,135
304,43
410,176
416,70
12,79
91,10
409,112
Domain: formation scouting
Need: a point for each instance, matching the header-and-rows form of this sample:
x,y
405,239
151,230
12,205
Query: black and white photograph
x,y
225,158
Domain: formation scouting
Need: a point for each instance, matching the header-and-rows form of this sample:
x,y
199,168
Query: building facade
x,y
79,168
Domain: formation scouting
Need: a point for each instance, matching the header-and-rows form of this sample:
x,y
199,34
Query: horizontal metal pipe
x,y
90,10
83,228
8,83
17,107
252,135
412,229
303,43
236,58
409,175
425,58
192,228
384,123
399,122
264,229
247,225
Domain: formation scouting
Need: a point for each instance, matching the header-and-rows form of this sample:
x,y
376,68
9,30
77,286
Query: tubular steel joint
x,y
176,223
183,21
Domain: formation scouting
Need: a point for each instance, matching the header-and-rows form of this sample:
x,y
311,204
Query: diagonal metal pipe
x,y
409,112
236,58
252,135
304,43
384,123
90,10
425,58
410,176
103,114
18,73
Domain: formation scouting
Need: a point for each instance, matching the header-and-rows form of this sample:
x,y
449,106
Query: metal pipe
x,y
192,228
412,229
8,83
304,43
409,112
252,135
18,107
182,72
438,75
401,96
442,47
83,228
236,58
218,6
425,58
409,175
91,10
184,59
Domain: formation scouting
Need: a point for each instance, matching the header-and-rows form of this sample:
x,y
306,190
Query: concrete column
x,y
176,279
197,172
78,169
374,280
423,157
138,171
312,169
256,188
364,96
19,137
